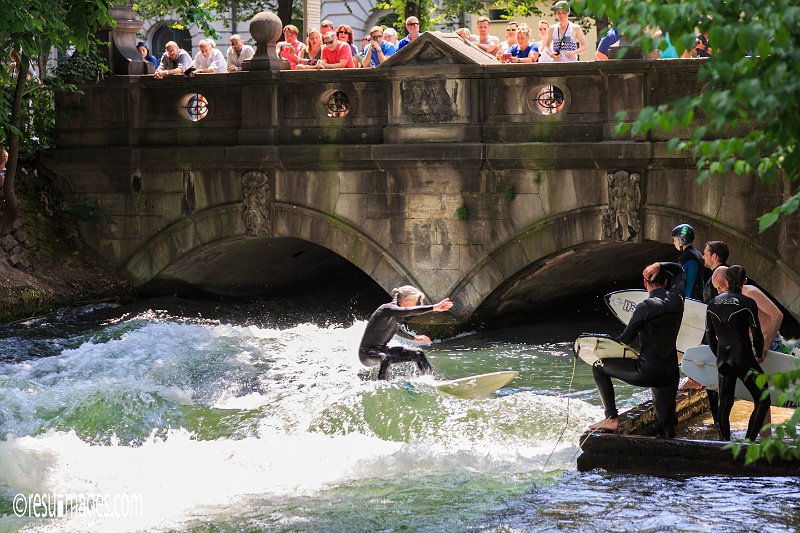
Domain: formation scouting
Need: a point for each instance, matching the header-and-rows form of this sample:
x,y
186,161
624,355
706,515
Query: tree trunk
x,y
285,11
10,205
412,10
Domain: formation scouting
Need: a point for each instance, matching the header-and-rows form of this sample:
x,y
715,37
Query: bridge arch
x,y
213,244
564,255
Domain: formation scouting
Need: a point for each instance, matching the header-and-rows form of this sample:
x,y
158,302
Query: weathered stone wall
x,y
441,173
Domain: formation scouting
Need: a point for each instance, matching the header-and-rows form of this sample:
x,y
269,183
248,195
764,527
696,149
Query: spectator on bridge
x,y
465,34
380,49
565,41
511,38
145,53
487,42
390,35
291,48
523,51
336,53
325,26
312,51
364,45
345,34
606,42
174,62
209,60
238,52
542,30
412,27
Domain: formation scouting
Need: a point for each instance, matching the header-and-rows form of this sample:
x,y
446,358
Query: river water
x,y
169,415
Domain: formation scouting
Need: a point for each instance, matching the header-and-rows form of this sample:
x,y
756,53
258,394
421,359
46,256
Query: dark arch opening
x,y
241,269
165,34
570,286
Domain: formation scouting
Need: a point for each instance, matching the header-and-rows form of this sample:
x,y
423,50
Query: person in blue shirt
x,y
609,39
146,55
412,26
691,260
524,51
380,49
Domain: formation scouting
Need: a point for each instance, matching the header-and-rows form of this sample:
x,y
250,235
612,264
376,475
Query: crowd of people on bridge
x,y
333,47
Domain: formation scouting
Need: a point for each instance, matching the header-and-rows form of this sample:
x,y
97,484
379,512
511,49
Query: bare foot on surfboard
x,y
608,425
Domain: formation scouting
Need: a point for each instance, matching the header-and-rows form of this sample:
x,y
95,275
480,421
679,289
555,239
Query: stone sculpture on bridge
x,y
624,200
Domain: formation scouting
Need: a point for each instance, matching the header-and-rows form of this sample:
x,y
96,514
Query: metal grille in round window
x,y
194,107
338,104
548,100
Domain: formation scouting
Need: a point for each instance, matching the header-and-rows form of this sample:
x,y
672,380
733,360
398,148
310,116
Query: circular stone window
x,y
337,104
547,99
193,107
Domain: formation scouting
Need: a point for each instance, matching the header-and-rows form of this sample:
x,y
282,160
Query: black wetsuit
x,y
656,321
730,320
696,274
382,326
709,293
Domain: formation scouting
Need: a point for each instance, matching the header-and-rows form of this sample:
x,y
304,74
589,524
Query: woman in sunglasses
x,y
345,33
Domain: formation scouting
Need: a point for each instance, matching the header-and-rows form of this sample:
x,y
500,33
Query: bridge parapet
x,y
485,182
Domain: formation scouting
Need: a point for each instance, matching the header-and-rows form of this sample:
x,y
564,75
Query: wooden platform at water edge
x,y
695,452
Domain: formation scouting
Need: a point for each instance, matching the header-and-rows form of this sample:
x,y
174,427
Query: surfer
x,y
385,323
656,321
734,335
690,259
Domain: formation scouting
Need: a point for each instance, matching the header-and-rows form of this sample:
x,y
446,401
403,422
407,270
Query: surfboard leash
x,y
566,422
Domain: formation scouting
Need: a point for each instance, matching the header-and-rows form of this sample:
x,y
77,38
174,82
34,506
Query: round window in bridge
x,y
547,99
337,104
193,107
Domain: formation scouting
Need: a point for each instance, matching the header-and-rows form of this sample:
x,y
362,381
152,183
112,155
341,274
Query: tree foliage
x,y
746,112
744,118
29,27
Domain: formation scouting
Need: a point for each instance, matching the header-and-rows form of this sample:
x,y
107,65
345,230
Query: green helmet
x,y
684,233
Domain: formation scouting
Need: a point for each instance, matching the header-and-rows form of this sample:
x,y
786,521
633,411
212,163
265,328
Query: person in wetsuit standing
x,y
385,323
734,335
656,321
691,260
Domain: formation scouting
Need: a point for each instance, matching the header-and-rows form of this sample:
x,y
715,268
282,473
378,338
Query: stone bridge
x,y
499,186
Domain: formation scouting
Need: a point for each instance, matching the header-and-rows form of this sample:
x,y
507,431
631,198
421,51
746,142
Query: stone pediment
x,y
439,48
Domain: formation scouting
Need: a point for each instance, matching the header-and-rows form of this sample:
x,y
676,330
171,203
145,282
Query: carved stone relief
x,y
426,101
257,204
621,221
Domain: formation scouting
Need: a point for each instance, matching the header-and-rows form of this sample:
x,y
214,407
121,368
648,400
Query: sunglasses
x,y
328,42
342,32
412,24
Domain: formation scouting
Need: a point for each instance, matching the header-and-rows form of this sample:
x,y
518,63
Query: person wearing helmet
x,y
385,324
690,259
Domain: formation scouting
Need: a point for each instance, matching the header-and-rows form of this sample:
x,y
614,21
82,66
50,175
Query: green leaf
x,y
766,221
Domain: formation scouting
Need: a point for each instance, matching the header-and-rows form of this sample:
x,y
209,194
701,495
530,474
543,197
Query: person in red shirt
x,y
336,54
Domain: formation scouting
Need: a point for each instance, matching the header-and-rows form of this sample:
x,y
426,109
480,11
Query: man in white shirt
x,y
209,60
490,43
238,52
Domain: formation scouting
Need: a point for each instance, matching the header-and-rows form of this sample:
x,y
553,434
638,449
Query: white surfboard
x,y
700,364
478,386
591,347
693,326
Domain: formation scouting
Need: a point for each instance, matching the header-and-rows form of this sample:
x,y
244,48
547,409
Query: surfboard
x,y
478,386
700,364
592,347
693,326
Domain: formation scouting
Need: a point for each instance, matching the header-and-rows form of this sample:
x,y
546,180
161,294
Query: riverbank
x,y
42,268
